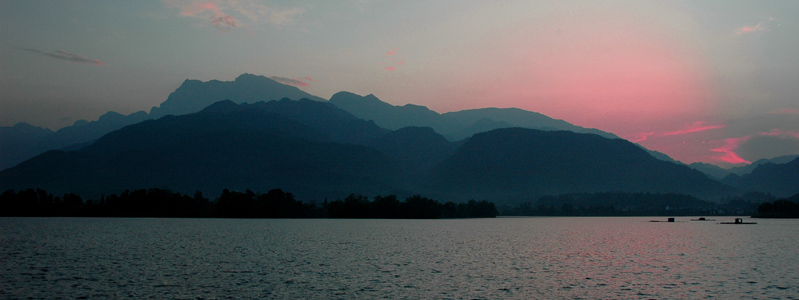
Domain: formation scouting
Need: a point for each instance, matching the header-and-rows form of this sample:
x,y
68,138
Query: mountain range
x,y
780,179
321,149
717,172
453,125
23,141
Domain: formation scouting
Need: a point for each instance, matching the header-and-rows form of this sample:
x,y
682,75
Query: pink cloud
x,y
194,8
759,27
394,60
695,127
776,132
206,10
66,56
290,81
640,137
221,13
728,150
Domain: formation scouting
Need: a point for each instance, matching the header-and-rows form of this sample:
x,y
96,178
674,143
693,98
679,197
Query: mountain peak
x,y
345,97
247,77
194,95
189,83
221,107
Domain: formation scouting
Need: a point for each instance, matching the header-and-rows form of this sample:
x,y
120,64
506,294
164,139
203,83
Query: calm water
x,y
505,258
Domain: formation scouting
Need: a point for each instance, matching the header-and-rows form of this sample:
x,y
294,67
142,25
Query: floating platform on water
x,y
738,221
702,219
669,220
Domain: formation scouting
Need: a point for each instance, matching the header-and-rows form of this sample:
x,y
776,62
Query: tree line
x,y
782,208
232,204
635,204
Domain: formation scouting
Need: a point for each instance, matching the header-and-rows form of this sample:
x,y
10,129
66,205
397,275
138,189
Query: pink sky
x,y
686,78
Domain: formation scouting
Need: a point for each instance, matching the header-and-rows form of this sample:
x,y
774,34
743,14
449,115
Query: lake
x,y
503,258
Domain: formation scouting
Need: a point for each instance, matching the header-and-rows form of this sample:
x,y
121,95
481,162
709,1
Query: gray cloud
x,y
290,81
765,146
224,21
220,12
66,56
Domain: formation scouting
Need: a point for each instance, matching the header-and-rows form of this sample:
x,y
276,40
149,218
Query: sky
x,y
702,81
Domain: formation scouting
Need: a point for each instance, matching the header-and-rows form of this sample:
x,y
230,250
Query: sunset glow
x,y
695,127
677,77
728,151
639,75
411,149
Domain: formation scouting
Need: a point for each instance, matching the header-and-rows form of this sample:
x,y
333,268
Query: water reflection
x,y
580,258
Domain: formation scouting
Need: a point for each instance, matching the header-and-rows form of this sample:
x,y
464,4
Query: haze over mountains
x,y
23,141
453,125
317,149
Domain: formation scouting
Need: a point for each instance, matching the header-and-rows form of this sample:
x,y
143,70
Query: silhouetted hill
x,y
416,149
751,167
250,146
517,163
190,97
18,141
326,118
194,95
712,171
453,125
512,117
84,131
23,141
320,151
782,180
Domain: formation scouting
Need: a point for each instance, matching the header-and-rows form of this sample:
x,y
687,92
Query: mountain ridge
x,y
246,146
16,146
780,179
455,125
319,151
533,162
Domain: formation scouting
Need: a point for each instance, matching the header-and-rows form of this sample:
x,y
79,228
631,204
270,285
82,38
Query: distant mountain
x,y
21,142
386,115
751,167
458,125
194,95
250,146
318,151
782,180
517,164
719,173
416,149
18,141
660,155
453,125
712,171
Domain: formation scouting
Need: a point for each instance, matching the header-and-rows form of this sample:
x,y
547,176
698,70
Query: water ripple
x,y
506,258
